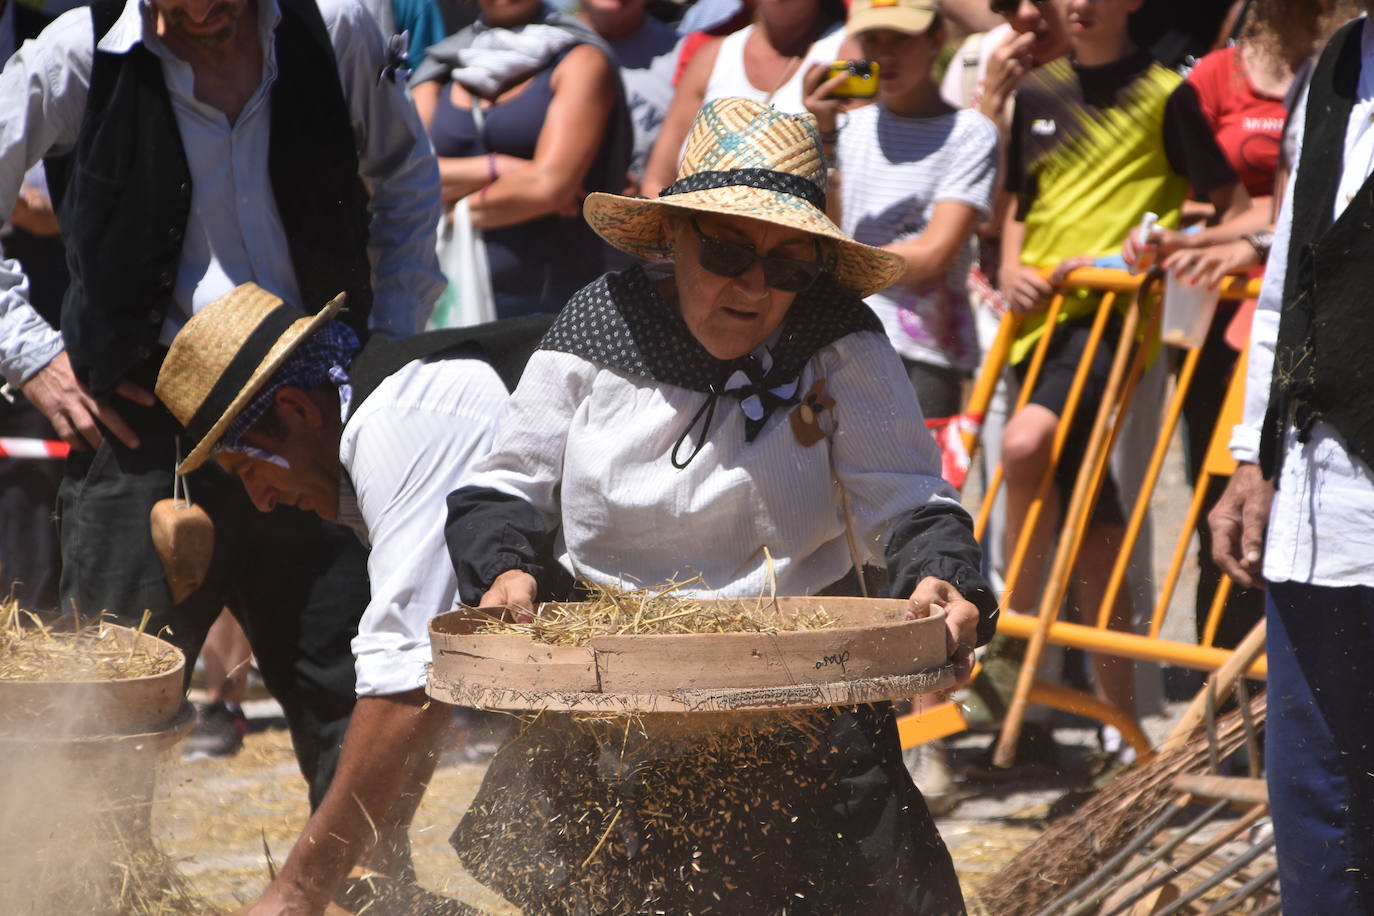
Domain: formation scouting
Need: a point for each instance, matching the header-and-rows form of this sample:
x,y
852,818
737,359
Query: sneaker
x,y
218,733
928,765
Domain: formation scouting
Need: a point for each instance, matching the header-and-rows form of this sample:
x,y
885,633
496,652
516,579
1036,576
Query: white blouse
x,y
589,447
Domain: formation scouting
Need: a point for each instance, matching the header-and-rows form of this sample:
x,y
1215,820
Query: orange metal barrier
x,y
1131,356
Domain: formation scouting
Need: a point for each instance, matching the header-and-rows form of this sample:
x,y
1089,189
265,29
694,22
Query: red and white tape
x,y
32,448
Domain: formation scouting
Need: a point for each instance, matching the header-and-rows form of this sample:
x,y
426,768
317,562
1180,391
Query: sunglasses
x,y
731,259
1009,7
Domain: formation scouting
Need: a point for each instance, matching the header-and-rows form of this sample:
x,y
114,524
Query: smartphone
x,y
862,82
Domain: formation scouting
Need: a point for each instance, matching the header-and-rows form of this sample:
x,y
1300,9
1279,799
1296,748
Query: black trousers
x,y
297,584
29,559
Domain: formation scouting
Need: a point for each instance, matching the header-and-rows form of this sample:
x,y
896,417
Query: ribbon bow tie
x,y
758,397
758,394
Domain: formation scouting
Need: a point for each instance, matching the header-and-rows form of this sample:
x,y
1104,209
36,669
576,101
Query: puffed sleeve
x,y
505,517
890,467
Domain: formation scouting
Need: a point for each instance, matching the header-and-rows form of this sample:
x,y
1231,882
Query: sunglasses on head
x,y
1009,7
731,259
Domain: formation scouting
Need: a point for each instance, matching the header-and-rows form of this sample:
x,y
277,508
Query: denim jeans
x,y
1319,745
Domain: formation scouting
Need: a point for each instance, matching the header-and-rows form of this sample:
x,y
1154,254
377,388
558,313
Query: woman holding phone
x,y
914,177
765,62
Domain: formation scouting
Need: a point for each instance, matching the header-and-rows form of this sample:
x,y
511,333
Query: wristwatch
x,y
1261,242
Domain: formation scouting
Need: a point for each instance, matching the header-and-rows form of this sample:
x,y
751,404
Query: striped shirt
x,y
895,171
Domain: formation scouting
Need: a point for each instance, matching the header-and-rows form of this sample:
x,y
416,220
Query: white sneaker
x,y
928,765
1113,742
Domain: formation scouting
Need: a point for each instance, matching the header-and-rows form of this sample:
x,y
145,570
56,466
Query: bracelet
x,y
829,137
1261,241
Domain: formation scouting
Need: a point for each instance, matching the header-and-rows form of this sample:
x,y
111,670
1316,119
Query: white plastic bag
x,y
468,299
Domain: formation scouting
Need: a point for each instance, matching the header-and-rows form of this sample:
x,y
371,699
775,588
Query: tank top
x,y
535,266
728,78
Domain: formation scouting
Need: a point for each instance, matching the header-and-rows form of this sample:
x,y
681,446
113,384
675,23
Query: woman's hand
x,y
1162,242
515,589
1008,64
1025,289
1069,265
818,99
961,621
1209,266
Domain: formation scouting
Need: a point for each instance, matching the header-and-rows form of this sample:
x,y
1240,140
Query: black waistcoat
x,y
123,196
506,344
1323,365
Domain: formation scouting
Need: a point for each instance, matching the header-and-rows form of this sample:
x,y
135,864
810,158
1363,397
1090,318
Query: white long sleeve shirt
x,y
589,447
1321,527
416,438
234,234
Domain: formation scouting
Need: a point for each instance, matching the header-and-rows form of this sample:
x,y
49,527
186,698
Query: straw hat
x,y
224,355
911,16
749,160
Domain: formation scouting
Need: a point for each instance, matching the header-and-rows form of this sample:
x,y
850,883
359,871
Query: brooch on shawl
x,y
396,67
805,419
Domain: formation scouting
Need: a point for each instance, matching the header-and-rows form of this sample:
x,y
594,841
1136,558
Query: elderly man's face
x,y
732,316
204,22
311,479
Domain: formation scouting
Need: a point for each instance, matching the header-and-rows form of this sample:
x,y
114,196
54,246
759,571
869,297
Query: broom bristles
x,y
1076,845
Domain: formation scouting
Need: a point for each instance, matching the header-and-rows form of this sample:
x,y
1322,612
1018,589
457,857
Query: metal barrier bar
x,y
1037,362
944,719
1141,509
1061,435
1062,568
985,385
1127,645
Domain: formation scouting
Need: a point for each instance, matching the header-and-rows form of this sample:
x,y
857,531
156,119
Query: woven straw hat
x,y
748,160
224,355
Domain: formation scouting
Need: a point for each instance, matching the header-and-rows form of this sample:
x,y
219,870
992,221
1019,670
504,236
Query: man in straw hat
x,y
191,146
745,422
372,438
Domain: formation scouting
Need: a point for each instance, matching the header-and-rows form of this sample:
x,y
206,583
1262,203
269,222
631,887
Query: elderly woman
x,y
742,420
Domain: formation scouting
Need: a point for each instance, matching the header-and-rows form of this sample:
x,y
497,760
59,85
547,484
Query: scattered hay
x,y
77,650
586,815
145,881
612,611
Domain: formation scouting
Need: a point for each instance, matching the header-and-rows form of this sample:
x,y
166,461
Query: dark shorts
x,y
939,389
1067,345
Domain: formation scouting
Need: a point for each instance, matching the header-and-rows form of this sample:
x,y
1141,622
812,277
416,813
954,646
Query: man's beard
x,y
177,20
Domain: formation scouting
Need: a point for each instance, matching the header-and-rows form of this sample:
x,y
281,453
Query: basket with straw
x,y
663,650
84,677
87,708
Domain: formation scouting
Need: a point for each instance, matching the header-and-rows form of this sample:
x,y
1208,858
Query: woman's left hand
x,y
961,621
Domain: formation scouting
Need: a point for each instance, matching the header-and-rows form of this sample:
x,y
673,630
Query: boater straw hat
x,y
224,355
749,160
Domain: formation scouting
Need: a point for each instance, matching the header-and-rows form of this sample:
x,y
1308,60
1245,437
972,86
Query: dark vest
x,y
123,196
507,345
1323,366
